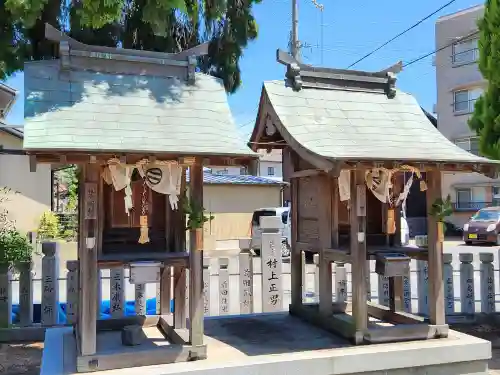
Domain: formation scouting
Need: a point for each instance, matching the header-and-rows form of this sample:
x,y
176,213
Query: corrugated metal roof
x,y
210,178
350,125
89,111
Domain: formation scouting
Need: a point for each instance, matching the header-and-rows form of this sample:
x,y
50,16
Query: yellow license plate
x,y
473,236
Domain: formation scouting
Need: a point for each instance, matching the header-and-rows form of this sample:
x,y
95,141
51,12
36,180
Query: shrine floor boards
x,y
270,344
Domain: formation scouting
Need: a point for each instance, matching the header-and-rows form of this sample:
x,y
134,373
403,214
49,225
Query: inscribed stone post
x,y
340,282
423,287
25,294
246,283
407,293
449,291
224,286
117,291
487,283
5,296
50,285
72,291
206,286
140,299
383,290
271,263
467,299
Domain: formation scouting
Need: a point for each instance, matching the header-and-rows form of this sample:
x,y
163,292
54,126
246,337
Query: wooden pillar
x,y
357,217
325,188
335,199
435,248
87,244
177,221
196,260
295,255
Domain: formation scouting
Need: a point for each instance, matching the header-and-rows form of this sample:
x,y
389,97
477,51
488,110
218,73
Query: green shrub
x,y
48,227
14,248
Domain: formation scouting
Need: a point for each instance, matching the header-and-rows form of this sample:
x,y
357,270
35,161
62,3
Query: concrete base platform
x,y
270,344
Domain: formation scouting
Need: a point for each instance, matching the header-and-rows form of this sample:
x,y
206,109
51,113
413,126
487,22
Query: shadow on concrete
x,y
274,333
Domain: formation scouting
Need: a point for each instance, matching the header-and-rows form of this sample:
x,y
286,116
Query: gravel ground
x,y
20,359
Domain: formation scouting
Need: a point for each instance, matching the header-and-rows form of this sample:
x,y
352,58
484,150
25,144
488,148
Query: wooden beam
x,y
306,173
358,254
435,249
196,260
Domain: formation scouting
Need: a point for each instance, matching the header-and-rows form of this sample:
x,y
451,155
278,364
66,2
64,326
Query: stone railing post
x,y
140,299
407,293
224,297
383,290
206,286
340,282
487,280
316,276
25,294
423,287
246,277
5,296
117,291
72,286
50,284
271,264
467,298
449,291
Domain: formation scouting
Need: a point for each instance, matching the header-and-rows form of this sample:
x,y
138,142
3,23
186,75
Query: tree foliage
x,y
485,120
158,25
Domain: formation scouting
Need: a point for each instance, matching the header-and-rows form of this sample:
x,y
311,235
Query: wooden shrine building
x,y
347,138
134,122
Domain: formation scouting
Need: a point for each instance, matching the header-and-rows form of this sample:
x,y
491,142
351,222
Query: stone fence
x,y
238,285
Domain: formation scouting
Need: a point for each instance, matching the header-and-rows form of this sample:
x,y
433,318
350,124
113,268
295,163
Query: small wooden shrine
x,y
134,122
348,137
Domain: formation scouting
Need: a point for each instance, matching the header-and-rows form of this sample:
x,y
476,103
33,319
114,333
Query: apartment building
x,y
269,165
459,84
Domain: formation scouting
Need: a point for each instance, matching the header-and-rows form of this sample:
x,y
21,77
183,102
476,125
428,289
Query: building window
x,y
465,52
222,171
469,144
464,197
270,171
464,100
243,171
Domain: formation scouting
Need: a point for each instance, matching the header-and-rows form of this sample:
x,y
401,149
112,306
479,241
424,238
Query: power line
x,y
439,49
401,33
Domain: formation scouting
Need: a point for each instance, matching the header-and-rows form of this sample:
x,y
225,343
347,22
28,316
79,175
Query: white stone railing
x,y
235,286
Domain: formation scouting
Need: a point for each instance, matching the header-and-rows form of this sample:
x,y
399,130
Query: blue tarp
x,y
105,313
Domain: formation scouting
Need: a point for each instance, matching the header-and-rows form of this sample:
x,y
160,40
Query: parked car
x,y
483,227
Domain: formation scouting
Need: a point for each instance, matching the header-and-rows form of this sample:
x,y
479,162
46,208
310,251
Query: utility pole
x,y
295,30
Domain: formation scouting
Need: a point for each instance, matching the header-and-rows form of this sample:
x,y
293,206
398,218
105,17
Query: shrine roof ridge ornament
x,y
299,76
70,49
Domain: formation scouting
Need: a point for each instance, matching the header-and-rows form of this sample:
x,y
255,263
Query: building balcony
x,y
470,206
465,57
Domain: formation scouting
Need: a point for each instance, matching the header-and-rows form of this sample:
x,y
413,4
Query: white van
x,y
286,233
256,231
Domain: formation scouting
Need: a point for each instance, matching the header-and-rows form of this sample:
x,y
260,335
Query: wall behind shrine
x,y
34,188
232,206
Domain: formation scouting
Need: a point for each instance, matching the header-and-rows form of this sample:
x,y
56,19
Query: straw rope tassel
x,y
143,220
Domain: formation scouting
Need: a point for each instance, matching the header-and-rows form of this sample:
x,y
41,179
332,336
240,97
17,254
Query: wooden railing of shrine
x,y
233,285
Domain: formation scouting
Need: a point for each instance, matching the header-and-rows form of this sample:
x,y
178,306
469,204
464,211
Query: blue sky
x,y
350,29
